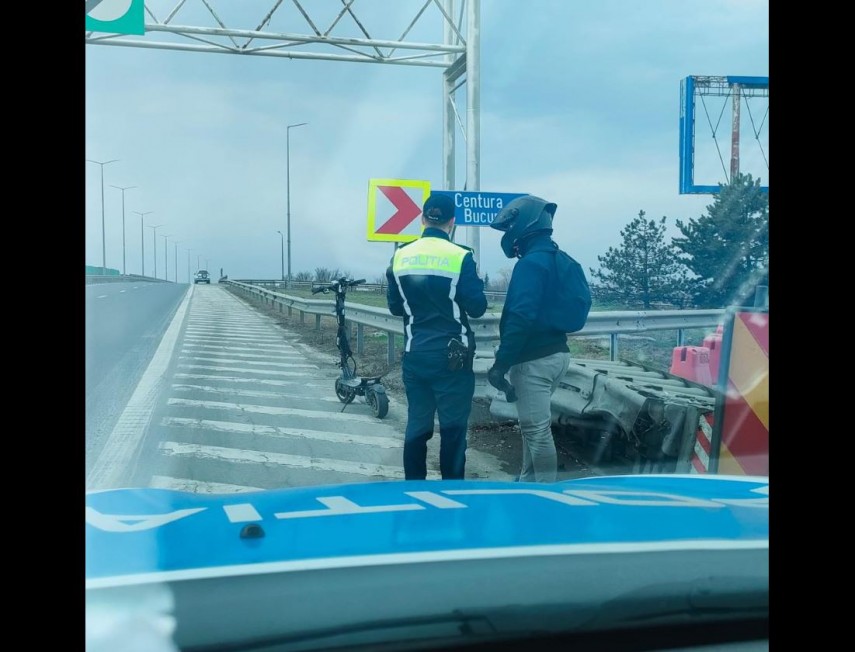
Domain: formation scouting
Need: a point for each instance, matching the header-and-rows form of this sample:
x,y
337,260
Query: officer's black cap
x,y
438,208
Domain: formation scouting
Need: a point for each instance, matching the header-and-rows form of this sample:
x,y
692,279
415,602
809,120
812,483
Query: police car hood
x,y
307,558
142,535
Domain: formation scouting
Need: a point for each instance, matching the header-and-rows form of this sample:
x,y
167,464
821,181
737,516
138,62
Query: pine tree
x,y
728,248
645,269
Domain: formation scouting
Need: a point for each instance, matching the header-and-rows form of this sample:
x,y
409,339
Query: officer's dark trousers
x,y
433,389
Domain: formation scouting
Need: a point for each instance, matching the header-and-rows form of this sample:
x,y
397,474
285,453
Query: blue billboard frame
x,y
687,131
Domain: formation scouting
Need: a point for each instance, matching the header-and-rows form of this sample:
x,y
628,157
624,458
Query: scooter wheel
x,y
343,393
379,403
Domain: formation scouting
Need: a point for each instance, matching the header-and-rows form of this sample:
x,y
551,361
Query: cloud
x,y
579,102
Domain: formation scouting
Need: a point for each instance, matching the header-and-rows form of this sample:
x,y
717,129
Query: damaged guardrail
x,y
624,409
486,328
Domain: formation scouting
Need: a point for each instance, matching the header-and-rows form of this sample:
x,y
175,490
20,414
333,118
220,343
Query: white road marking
x,y
267,372
230,391
236,338
242,456
103,296
258,381
202,318
120,291
267,409
284,365
276,431
198,487
225,344
233,351
110,468
240,330
244,346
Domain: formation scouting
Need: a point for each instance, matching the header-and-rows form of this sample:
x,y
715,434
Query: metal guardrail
x,y
118,278
486,328
379,288
617,404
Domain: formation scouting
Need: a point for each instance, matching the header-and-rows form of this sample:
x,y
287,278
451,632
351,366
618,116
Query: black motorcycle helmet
x,y
522,218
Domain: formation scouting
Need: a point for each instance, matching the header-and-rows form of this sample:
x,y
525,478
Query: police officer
x,y
434,286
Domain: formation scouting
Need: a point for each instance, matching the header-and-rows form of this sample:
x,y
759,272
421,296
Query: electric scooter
x,y
349,385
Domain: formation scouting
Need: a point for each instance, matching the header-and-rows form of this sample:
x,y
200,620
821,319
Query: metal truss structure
x,y
458,54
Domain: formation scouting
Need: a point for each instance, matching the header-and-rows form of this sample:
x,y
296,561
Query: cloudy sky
x,y
579,104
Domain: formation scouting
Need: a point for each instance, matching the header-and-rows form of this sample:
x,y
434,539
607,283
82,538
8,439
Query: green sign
x,y
115,16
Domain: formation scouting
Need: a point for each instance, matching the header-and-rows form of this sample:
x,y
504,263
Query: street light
x,y
165,257
188,264
176,243
282,242
123,188
142,238
288,188
103,232
154,239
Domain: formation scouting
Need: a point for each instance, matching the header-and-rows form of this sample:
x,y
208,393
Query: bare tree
x,y
325,274
303,276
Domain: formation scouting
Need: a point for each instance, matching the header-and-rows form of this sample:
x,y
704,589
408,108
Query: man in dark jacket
x,y
434,286
533,335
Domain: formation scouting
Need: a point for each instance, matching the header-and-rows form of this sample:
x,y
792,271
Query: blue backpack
x,y
574,296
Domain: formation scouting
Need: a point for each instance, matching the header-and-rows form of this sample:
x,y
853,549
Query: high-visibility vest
x,y
430,256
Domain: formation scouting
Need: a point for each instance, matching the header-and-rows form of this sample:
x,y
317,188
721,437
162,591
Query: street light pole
x,y
123,188
142,239
188,264
154,239
288,188
282,242
176,243
103,231
165,257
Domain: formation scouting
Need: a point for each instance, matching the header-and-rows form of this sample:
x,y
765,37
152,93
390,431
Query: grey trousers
x,y
535,382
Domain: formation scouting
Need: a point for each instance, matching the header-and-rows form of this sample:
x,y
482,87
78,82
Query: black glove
x,y
496,377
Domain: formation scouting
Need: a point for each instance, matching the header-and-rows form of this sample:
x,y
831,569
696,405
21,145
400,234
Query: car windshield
x,y
424,322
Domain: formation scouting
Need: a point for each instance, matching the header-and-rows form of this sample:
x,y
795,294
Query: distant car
x,y
202,276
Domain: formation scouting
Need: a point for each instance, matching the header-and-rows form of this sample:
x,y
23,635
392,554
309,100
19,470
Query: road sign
x,y
115,16
476,208
395,209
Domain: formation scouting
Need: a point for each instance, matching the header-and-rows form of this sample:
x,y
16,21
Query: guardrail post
x,y
289,312
317,322
681,337
302,317
390,349
360,339
613,347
